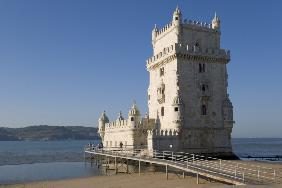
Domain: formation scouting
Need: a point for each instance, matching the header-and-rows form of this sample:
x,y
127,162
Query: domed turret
x,y
154,35
227,110
120,118
177,16
178,109
216,22
102,121
134,114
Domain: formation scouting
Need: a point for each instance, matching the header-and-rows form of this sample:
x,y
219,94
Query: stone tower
x,y
187,91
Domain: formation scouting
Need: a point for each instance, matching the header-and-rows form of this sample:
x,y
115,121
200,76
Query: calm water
x,y
37,160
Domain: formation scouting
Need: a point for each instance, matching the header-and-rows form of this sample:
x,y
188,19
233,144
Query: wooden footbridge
x,y
229,172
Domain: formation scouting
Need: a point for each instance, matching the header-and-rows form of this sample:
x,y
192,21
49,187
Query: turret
x,y
216,22
120,118
134,115
177,17
227,112
102,121
154,35
178,109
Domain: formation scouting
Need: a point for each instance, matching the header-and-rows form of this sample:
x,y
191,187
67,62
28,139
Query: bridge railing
x,y
247,173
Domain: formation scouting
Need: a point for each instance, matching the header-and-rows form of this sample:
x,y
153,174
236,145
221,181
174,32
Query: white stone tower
x,y
187,91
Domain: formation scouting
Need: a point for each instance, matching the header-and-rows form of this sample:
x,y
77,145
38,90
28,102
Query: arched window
x,y
132,119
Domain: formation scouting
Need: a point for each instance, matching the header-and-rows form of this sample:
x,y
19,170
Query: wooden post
x,y
197,178
116,165
127,166
166,172
243,176
163,154
258,176
139,167
183,174
98,159
274,176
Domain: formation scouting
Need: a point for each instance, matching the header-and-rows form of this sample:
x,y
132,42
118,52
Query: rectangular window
x,y
176,109
162,111
204,110
202,67
162,71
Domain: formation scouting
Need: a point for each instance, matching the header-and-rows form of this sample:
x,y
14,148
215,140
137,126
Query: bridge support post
x,y
127,166
98,161
139,167
115,165
197,178
166,172
183,174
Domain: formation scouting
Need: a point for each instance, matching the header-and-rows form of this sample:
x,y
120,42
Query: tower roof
x,y
104,117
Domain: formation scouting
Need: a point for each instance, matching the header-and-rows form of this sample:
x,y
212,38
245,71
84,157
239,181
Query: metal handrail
x,y
237,171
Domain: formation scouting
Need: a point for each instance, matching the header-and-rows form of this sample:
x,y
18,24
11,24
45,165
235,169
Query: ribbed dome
x,y
134,110
104,117
227,102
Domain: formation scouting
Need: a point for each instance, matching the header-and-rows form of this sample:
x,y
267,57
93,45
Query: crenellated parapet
x,y
165,132
191,52
126,124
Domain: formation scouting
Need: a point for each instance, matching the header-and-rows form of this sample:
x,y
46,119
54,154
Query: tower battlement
x,y
186,23
211,53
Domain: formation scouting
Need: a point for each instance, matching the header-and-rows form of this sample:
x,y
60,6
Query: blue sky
x,y
63,62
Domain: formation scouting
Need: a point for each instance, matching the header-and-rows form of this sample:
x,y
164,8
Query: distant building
x,y
189,107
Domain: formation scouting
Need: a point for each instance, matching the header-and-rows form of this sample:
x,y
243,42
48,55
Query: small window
x,y
204,87
204,110
162,111
197,44
132,118
161,71
176,18
202,67
176,109
149,97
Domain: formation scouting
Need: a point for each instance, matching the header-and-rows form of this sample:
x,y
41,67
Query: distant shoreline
x,y
48,133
